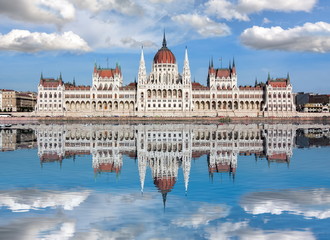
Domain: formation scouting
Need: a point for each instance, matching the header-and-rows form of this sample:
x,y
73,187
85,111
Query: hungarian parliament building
x,y
165,92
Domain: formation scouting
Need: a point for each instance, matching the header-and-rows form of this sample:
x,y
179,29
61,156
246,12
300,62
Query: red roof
x,y
198,86
222,73
278,82
107,72
50,82
165,184
107,167
131,86
164,55
249,88
278,156
71,87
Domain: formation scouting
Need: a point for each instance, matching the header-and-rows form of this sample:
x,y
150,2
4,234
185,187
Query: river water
x,y
165,181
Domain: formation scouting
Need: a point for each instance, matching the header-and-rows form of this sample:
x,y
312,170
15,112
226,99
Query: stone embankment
x,y
119,120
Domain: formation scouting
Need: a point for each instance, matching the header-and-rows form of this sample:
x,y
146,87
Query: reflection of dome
x,y
164,55
164,184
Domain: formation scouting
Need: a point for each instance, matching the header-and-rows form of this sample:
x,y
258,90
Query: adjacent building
x,y
165,92
313,103
14,101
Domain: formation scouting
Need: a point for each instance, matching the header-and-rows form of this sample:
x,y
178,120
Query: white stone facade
x,y
165,92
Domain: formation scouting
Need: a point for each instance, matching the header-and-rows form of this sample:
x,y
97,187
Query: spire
x,y
268,78
229,64
142,55
234,62
211,62
256,82
60,76
186,165
186,68
186,55
142,75
74,81
164,195
41,76
288,79
164,40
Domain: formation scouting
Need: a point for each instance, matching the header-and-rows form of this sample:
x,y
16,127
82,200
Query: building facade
x,y
14,101
165,92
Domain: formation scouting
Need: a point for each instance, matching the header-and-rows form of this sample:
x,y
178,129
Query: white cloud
x,y
203,25
228,10
26,41
313,203
311,37
242,230
38,11
266,21
55,228
224,9
127,7
131,42
251,6
26,200
203,216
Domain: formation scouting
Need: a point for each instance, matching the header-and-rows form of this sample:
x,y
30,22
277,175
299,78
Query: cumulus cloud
x,y
26,41
203,216
225,9
38,11
127,7
251,6
228,10
242,230
39,228
203,25
131,42
314,203
26,200
311,37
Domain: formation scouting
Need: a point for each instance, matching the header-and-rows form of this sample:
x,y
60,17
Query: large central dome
x,y
164,55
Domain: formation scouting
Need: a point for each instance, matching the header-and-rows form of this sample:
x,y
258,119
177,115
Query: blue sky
x,y
68,36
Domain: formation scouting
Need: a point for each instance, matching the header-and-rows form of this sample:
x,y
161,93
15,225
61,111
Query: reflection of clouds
x,y
110,216
203,216
25,200
43,228
308,203
242,231
127,216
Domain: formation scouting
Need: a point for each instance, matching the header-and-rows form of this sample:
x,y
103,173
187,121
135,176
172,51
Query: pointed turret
x,y
164,40
288,79
142,75
41,78
268,78
186,165
234,67
74,81
60,78
186,68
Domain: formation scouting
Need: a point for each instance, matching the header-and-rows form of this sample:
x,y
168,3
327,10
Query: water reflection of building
x,y
165,149
12,139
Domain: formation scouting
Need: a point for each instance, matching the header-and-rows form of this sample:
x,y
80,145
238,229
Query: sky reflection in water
x,y
165,182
